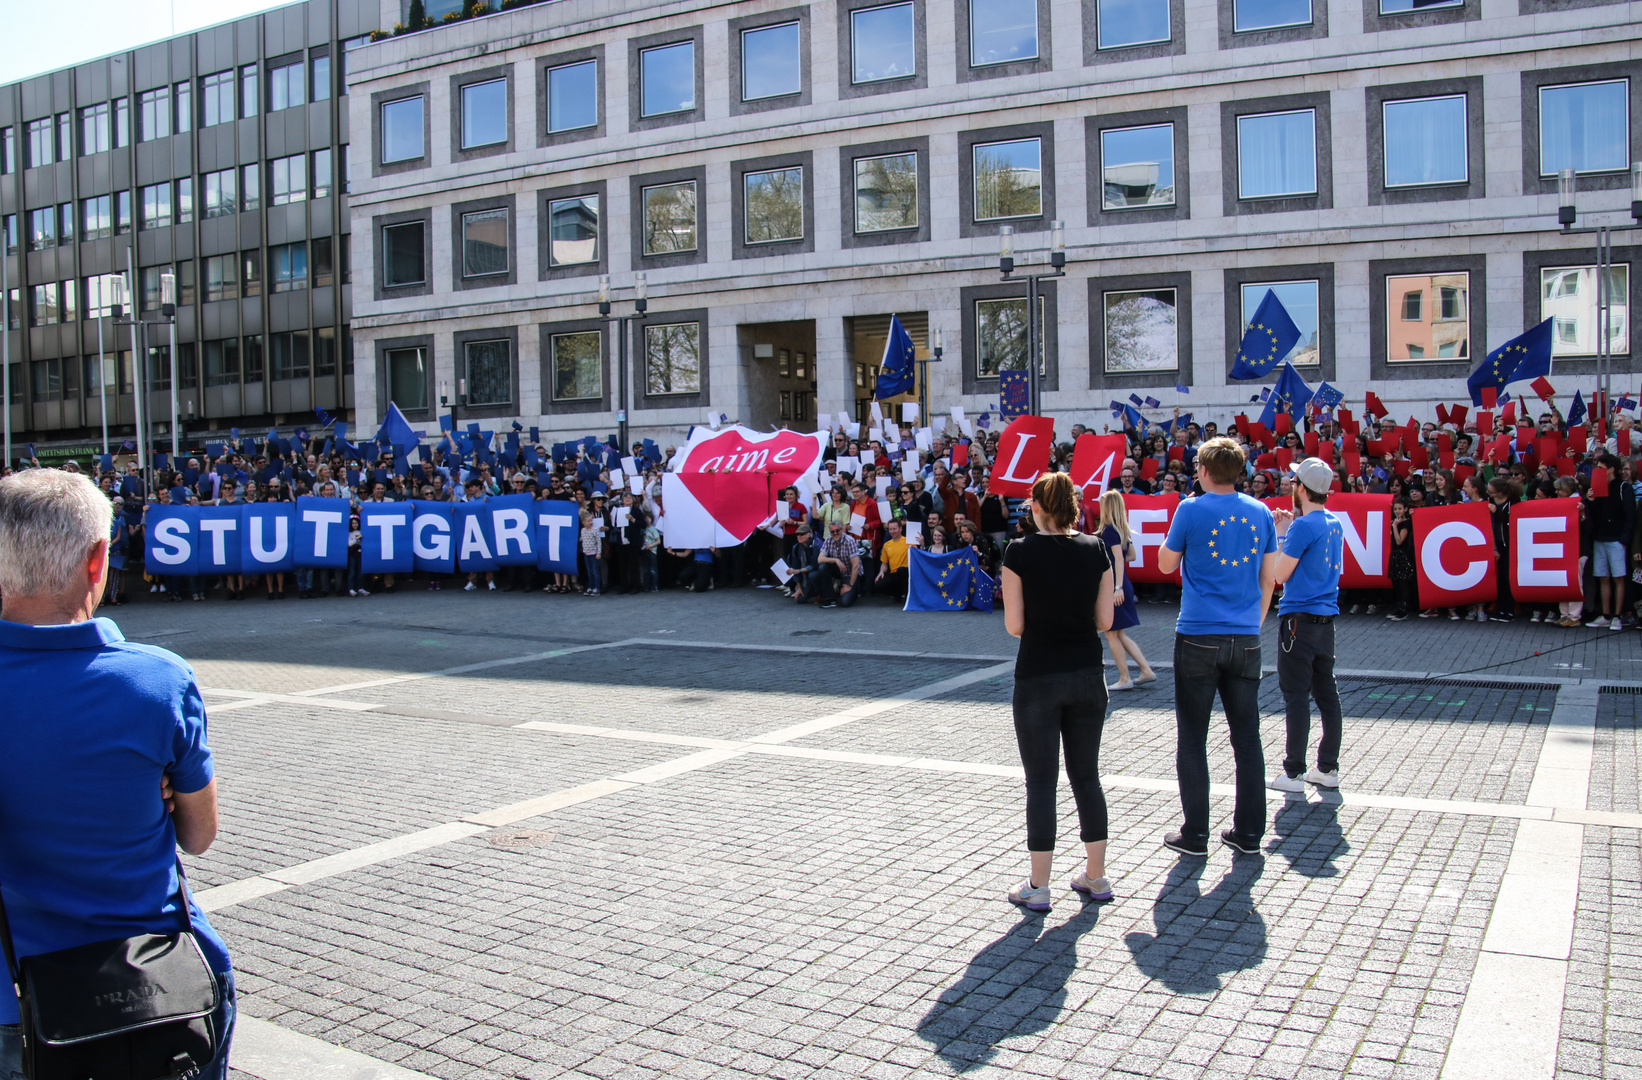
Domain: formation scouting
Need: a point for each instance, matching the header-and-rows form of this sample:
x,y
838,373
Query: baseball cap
x,y
1314,473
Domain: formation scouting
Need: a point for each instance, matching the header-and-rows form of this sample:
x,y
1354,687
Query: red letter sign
x,y
1096,461
1454,555
1545,550
1023,453
1149,520
1365,521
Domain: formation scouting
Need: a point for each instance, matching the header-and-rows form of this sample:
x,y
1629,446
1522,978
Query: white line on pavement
x,y
881,705
270,1052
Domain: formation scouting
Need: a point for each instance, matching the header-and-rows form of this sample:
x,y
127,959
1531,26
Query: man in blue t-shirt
x,y
1313,554
1224,544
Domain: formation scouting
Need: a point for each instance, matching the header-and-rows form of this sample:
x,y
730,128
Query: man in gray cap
x,y
1311,554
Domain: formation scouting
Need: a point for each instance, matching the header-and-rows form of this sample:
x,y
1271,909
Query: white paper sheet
x,y
909,412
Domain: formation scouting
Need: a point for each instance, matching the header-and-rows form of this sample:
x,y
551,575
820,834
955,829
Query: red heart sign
x,y
737,477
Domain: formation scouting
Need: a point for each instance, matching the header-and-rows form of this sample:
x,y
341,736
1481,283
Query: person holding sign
x,y
1312,546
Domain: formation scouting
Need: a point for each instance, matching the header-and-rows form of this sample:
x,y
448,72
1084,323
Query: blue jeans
x,y
594,577
647,571
1230,664
11,1047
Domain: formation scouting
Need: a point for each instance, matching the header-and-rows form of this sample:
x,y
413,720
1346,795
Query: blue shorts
x,y
1608,559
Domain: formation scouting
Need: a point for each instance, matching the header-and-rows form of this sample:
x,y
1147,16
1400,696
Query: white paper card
x,y
909,469
967,428
782,570
858,522
852,429
892,434
922,439
617,478
619,517
909,412
958,414
849,465
629,465
883,509
635,484
915,532
883,483
844,421
712,419
877,413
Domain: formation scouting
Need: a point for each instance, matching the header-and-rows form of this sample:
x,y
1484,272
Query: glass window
x,y
322,77
669,218
250,187
289,357
154,114
667,78
573,230
8,226
289,266
1427,316
489,372
1277,154
122,212
1141,331
883,43
248,96
324,351
99,295
1268,14
65,136
42,228
1122,23
886,193
484,243
8,150
219,98
407,377
65,223
1137,167
347,54
1000,334
573,96
1584,127
149,287
1299,299
222,362
770,64
44,308
402,129
94,131
46,376
774,205
578,366
184,95
1008,179
403,260
1002,30
484,114
67,294
222,277
220,197
251,357
95,219
324,267
185,283
322,173
40,142
122,122
672,358
286,86
288,179
185,200
1425,142
1568,294
251,281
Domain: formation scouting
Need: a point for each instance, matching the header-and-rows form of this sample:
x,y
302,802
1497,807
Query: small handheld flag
x,y
1266,340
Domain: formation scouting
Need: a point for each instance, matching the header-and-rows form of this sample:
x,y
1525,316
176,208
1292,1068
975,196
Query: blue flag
x,y
1179,422
1182,388
1014,393
939,582
1625,403
1266,340
895,374
1526,356
1153,403
1291,395
981,590
1327,397
396,430
1577,411
1135,400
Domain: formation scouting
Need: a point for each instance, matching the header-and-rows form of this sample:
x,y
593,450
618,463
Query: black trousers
x,y
1305,670
1230,665
895,584
1064,708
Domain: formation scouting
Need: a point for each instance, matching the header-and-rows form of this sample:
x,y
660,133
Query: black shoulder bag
x,y
137,1008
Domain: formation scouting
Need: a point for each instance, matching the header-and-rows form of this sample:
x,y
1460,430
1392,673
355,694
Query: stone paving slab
x,y
1616,766
1602,1013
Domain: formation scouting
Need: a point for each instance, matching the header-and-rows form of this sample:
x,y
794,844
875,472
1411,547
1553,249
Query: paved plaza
x,y
496,836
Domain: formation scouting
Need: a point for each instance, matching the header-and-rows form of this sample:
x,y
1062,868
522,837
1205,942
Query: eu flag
x,y
396,430
895,374
981,590
1527,356
1577,411
1327,397
1266,340
1291,395
939,582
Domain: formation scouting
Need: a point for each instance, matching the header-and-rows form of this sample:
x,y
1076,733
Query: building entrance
x,y
867,335
779,361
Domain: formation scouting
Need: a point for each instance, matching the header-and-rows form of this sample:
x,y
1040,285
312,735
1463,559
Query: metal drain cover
x,y
519,838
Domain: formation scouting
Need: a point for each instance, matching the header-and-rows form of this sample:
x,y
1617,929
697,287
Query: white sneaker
x,y
1356,608
1372,608
364,592
1330,780
492,586
1616,624
1600,620
1029,897
353,592
162,588
1534,617
154,588
469,587
1285,782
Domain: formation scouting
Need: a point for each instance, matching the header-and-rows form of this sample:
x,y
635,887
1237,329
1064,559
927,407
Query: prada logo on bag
x,y
133,996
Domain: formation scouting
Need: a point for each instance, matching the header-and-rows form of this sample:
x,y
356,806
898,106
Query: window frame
x,y
1376,20
460,282
740,247
636,187
969,72
687,399
969,296
636,47
1536,260
546,269
379,251
1534,80
848,156
97,118
508,334
550,333
1043,131
1234,205
1096,53
459,84
847,86
297,176
544,68
143,222
211,88
1102,379
740,105
1376,97
279,78
1234,278
1094,129
384,346
1540,92
1233,38
379,101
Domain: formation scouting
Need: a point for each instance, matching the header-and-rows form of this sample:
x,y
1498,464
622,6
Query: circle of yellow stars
x,y
949,600
1223,548
1270,333
1504,353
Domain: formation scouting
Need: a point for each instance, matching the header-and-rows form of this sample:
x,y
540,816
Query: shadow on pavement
x,y
1309,836
1202,936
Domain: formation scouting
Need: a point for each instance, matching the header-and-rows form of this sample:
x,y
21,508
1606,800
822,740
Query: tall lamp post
x,y
1567,183
122,299
1035,364
446,403
168,308
936,348
641,304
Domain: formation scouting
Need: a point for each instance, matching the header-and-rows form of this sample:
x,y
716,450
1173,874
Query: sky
x,y
35,40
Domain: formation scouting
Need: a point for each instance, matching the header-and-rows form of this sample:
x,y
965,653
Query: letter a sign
x,y
1023,453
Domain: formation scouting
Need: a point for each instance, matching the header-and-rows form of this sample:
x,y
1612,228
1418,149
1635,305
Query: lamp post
x,y
168,308
445,402
937,343
121,299
1035,365
1567,184
641,304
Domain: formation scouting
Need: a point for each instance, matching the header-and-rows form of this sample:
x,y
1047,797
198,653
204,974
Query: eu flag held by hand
x,y
1577,412
1527,356
1291,395
895,374
941,582
1266,340
396,430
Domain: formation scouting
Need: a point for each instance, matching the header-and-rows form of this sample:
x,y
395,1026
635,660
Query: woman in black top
x,y
1057,589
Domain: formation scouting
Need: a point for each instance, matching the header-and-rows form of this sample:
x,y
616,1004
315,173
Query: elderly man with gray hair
x,y
107,767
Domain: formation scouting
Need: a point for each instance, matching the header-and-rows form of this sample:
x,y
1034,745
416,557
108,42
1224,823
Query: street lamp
x,y
641,304
1036,366
125,313
1567,186
446,402
168,308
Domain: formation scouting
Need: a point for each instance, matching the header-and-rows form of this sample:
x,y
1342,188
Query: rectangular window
x,y
183,93
886,193
8,150
286,85
8,225
65,136
1584,127
148,287
99,295
1427,316
94,133
288,179
1425,142
1299,299
407,377
42,228
1001,31
47,380
221,277
250,189
573,96
154,114
324,351
1137,167
122,212
667,79
322,77
324,267
221,199
185,283
489,366
156,201
289,264
40,142
484,243
159,367
222,362
578,366
770,64
1277,154
774,205
672,359
484,114
1270,14
248,96
346,259
347,55
669,218
67,295
402,130
573,230
1000,334
289,357
218,98
43,311
185,200
403,257
65,223
322,173
1141,331
1008,179
1122,23
251,276
251,357
1568,294
883,43
122,122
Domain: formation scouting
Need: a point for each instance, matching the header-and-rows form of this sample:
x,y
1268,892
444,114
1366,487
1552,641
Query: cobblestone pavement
x,y
736,839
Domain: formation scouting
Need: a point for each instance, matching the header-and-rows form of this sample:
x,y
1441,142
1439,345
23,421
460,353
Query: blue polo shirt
x,y
1317,541
1224,539
90,724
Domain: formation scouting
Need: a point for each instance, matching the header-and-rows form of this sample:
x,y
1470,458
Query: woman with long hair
x,y
1057,589
1114,533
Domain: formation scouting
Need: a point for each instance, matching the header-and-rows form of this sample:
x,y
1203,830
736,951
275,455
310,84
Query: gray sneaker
x,y
1030,897
1284,782
1097,889
1323,779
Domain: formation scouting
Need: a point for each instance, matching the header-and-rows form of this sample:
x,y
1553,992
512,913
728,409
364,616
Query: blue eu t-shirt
x,y
91,723
1223,539
1318,542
